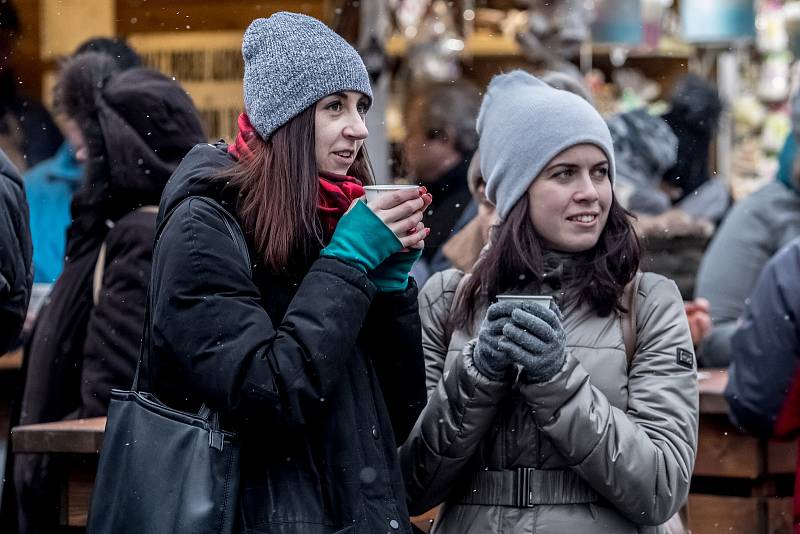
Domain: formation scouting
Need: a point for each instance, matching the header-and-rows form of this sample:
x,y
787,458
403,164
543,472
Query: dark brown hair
x,y
516,257
278,186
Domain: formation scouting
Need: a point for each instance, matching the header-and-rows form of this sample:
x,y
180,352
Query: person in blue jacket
x,y
763,389
50,186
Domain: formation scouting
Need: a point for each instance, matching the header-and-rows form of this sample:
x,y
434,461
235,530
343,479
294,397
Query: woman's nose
x,y
356,128
587,191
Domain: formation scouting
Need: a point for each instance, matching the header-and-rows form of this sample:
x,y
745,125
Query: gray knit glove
x,y
489,360
535,340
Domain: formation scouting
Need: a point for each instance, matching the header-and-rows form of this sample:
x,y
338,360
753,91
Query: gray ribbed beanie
x,y
290,62
523,124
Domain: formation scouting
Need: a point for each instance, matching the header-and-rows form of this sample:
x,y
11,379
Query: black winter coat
x,y
321,376
16,274
80,351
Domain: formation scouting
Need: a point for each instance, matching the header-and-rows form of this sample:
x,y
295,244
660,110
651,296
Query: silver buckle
x,y
523,495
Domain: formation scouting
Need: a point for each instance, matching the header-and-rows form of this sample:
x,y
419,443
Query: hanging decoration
x,y
618,22
718,21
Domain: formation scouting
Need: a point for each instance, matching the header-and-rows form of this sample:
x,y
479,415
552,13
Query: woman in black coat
x,y
308,342
134,127
16,275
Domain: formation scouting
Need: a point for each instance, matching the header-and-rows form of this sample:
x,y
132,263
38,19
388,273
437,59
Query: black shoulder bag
x,y
163,471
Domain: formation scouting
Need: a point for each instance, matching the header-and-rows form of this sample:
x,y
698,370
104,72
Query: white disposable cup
x,y
374,192
541,300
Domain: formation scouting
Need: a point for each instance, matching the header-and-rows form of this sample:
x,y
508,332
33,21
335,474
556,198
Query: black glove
x,y
535,339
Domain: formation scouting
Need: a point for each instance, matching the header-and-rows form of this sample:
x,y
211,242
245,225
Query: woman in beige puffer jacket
x,y
537,420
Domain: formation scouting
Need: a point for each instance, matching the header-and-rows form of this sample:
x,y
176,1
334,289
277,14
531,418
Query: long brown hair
x,y
516,257
278,186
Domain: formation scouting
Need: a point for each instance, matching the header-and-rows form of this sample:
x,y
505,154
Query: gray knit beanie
x,y
523,124
290,62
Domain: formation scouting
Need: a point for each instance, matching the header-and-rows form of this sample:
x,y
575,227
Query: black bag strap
x,y
238,237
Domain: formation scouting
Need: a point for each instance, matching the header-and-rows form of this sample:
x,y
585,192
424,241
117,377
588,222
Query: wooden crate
x,y
714,514
779,515
724,451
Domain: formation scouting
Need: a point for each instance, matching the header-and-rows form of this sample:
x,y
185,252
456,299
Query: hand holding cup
x,y
401,208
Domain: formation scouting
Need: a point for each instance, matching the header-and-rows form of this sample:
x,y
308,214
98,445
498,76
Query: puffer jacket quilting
x,y
630,435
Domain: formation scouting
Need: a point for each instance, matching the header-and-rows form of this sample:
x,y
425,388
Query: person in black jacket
x,y
437,150
308,343
135,126
16,274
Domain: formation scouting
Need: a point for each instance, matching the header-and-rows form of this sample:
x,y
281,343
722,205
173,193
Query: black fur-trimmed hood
x,y
138,125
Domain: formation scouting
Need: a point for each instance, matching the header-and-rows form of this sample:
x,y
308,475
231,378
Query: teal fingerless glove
x,y
392,274
362,239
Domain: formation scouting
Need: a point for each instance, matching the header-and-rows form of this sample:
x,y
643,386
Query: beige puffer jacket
x,y
612,448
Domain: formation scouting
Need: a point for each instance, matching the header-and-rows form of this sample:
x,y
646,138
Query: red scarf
x,y
239,147
336,192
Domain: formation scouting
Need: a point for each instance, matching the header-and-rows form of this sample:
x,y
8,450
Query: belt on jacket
x,y
526,487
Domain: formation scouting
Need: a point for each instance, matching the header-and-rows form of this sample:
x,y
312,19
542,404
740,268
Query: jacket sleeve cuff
x,y
393,274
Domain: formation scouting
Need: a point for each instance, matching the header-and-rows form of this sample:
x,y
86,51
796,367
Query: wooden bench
x,y
10,380
79,442
740,484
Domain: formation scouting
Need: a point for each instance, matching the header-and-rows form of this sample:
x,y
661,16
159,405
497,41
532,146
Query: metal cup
x,y
541,300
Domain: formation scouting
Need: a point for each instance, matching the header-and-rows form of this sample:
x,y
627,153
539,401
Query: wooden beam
x,y
68,23
25,56
77,436
139,16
